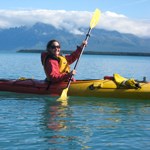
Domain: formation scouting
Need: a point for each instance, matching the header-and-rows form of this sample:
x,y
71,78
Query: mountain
x,y
37,36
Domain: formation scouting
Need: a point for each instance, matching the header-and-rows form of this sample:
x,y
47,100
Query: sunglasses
x,y
53,47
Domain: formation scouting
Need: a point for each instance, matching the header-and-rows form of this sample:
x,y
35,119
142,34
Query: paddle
x,y
93,23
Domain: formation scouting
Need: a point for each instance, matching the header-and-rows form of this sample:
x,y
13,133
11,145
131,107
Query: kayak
x,y
103,88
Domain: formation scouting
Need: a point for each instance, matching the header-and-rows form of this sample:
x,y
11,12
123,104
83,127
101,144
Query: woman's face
x,y
55,48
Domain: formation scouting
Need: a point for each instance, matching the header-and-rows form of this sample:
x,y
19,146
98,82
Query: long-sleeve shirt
x,y
52,68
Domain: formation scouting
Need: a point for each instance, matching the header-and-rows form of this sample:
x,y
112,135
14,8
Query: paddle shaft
x,y
86,39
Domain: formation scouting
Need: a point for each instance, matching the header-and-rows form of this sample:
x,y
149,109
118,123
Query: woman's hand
x,y
73,72
84,43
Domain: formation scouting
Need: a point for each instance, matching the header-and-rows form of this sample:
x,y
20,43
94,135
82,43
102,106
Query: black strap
x,y
49,83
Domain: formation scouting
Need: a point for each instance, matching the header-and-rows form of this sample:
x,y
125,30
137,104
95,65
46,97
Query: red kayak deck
x,y
31,86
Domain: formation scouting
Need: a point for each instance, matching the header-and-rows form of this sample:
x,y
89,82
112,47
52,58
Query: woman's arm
x,y
75,55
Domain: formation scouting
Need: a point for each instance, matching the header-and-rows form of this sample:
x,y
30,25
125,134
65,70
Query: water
x,y
39,122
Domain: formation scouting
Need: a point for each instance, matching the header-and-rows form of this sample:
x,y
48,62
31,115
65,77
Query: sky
x,y
126,16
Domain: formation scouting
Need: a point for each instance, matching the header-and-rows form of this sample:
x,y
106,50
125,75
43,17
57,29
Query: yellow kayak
x,y
103,88
108,89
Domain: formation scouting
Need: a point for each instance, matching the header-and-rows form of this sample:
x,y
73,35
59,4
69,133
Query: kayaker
x,y
55,65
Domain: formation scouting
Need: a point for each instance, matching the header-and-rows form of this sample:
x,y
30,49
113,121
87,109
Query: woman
x,y
56,67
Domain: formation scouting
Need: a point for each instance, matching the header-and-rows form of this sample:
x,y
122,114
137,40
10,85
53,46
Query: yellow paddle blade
x,y
95,18
63,96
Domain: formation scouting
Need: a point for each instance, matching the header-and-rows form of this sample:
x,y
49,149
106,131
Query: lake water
x,y
39,122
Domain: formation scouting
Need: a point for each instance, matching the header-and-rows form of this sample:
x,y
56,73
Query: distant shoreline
x,y
91,52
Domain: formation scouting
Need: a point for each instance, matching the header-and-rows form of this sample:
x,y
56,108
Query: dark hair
x,y
49,44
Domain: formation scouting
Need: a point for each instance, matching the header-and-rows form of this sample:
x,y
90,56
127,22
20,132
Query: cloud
x,y
73,20
123,24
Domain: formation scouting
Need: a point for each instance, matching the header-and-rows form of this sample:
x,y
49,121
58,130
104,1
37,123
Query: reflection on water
x,y
85,123
93,123
55,119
